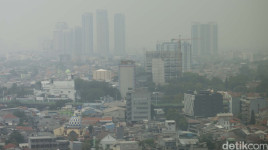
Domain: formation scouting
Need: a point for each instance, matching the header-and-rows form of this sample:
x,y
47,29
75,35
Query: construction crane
x,y
180,39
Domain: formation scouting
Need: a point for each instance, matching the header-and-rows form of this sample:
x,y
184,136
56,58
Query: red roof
x,y
9,116
23,128
10,145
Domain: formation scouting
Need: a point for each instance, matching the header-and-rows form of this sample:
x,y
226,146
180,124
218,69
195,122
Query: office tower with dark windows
x,y
119,34
102,33
204,39
205,103
87,34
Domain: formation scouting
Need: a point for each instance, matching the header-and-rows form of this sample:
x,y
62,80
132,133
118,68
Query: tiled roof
x,y
23,128
9,116
10,145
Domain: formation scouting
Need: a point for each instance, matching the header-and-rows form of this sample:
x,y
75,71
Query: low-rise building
x,y
56,90
42,143
138,107
126,145
107,142
102,75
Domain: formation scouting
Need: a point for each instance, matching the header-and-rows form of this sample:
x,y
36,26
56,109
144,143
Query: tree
x,y
22,116
58,104
174,114
252,118
15,137
147,143
90,91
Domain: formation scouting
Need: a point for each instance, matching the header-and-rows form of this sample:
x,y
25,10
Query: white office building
x,y
57,90
126,76
102,75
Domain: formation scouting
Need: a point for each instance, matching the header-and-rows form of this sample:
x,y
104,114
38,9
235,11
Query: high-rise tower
x,y
102,33
87,34
119,34
204,39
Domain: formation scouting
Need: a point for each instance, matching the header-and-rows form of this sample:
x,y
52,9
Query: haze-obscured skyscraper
x,y
87,33
68,42
186,51
102,33
77,43
58,37
204,39
119,34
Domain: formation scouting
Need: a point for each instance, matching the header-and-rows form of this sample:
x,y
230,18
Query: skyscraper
x,y
166,59
204,39
186,51
58,37
126,76
102,33
119,34
87,34
77,43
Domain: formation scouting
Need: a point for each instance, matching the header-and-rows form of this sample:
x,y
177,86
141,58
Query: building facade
x,y
102,75
57,90
58,38
87,33
172,63
138,107
186,50
204,38
119,34
102,33
158,71
126,76
249,104
42,143
203,104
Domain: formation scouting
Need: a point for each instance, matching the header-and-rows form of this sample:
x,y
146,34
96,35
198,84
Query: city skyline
x,y
26,30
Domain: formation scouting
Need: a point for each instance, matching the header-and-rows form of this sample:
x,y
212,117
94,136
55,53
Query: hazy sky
x,y
241,23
